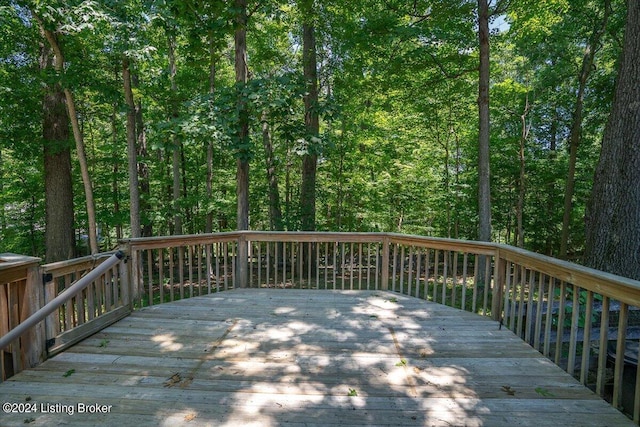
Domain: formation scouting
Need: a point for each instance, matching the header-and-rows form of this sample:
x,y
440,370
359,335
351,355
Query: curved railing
x,y
580,318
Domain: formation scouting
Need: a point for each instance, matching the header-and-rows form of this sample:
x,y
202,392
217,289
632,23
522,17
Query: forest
x,y
156,117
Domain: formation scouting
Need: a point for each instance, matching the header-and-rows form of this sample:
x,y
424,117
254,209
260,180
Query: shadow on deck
x,y
269,357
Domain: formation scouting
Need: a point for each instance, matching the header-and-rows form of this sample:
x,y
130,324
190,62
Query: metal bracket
x,y
46,278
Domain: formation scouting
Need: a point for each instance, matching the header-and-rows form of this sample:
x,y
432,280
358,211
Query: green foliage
x,y
397,149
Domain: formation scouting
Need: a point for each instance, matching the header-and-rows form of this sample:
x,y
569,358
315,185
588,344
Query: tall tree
x,y
613,215
59,230
242,138
132,151
176,145
484,186
275,212
575,134
311,119
58,64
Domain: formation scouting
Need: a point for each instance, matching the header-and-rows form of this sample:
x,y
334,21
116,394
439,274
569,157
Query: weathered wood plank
x,y
270,357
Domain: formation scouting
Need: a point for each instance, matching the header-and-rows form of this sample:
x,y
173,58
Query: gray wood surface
x,y
270,357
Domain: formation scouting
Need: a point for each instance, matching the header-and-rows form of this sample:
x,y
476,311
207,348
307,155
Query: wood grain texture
x,y
305,357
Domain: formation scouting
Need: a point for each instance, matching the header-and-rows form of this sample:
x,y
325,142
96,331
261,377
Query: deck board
x,y
272,357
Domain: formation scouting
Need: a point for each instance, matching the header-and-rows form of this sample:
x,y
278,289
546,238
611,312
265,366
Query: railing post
x,y
135,275
386,242
126,280
499,275
21,294
242,263
34,341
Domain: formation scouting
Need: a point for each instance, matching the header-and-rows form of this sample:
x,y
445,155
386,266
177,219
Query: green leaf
x,y
544,392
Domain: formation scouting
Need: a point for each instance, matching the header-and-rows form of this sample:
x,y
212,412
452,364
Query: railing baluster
x,y
620,350
454,279
313,250
351,269
92,310
149,281
171,279
573,338
465,260
435,275
512,282
549,319
445,274
369,266
200,266
275,261
378,274
476,272
326,265
523,285
250,245
539,302
586,340
402,269
427,269
394,264
487,285
560,327
208,267
360,266
529,315
190,255
161,277
234,253
335,266
259,263
602,351
317,253
284,264
343,268
225,261
418,271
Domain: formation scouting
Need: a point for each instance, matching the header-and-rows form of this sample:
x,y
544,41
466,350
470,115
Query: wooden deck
x,y
301,357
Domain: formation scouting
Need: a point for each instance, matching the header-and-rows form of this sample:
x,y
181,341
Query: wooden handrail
x,y
559,307
616,287
54,304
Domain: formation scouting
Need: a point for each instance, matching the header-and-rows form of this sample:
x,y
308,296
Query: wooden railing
x,y
586,321
104,301
576,316
457,273
580,318
20,296
76,301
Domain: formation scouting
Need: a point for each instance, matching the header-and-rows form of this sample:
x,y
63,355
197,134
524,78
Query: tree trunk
x,y
243,147
521,177
175,162
59,231
115,190
613,212
575,135
484,188
132,152
212,89
143,169
78,137
275,213
311,119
